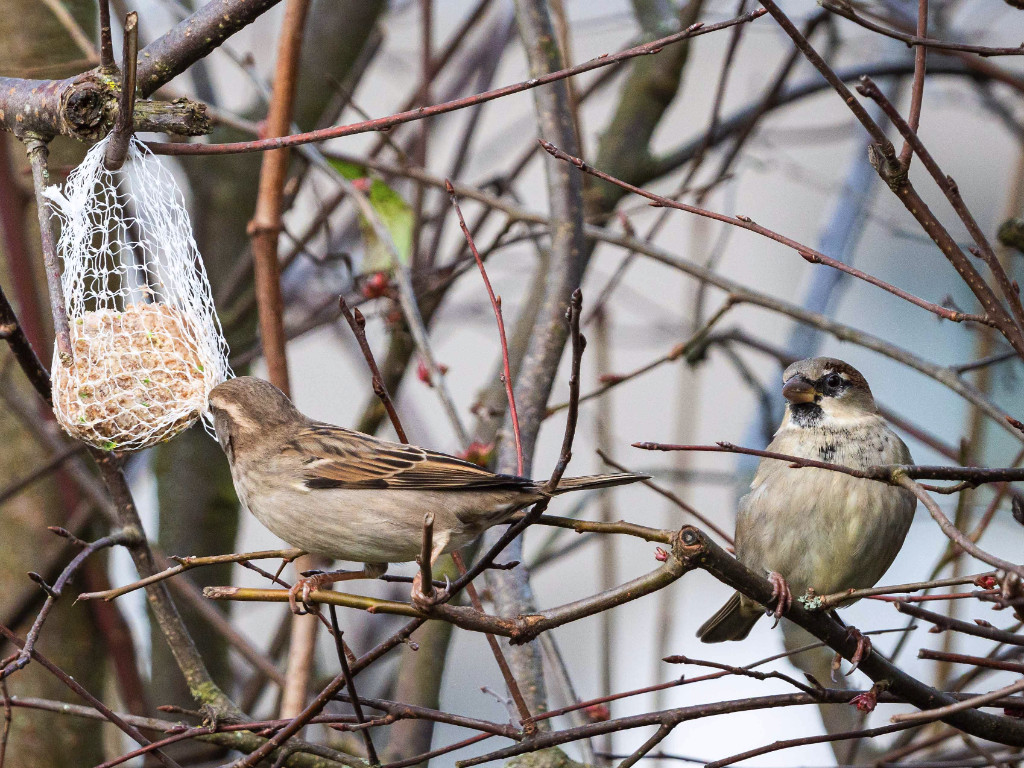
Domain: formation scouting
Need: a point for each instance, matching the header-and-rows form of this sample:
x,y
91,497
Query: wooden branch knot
x,y
87,106
889,168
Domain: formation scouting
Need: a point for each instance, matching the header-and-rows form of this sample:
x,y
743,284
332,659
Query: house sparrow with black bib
x,y
810,528
350,496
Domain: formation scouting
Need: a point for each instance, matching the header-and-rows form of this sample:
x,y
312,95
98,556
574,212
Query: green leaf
x,y
395,214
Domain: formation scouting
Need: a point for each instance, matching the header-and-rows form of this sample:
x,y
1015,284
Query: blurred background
x,y
684,122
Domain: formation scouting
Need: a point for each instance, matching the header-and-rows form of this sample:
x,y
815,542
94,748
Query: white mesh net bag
x,y
145,338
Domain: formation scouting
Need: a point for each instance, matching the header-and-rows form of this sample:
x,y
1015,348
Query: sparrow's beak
x,y
799,390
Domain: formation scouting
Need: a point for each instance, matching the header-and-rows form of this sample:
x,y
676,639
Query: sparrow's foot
x,y
782,598
863,648
862,651
424,602
311,581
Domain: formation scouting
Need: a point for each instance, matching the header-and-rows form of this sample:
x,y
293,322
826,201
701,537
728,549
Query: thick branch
x,y
704,553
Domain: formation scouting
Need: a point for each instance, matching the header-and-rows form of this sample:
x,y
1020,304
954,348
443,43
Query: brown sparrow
x,y
815,529
350,496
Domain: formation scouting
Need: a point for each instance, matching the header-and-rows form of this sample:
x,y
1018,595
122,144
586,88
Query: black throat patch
x,y
806,414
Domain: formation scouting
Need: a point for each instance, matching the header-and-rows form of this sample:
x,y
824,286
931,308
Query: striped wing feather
x,y
333,457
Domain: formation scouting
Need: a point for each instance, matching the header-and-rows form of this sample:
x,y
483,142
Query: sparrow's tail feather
x,y
597,481
732,622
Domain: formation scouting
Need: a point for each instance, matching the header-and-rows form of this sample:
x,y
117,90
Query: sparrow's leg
x,y
311,581
781,597
419,599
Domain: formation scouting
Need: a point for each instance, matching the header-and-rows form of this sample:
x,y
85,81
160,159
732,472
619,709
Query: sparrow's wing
x,y
332,457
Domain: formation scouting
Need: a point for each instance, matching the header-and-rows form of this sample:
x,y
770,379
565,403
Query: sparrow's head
x,y
823,388
246,409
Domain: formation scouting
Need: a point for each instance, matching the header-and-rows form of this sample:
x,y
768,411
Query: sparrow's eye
x,y
834,382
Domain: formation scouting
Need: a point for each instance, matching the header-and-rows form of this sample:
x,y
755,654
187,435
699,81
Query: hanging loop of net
x,y
145,338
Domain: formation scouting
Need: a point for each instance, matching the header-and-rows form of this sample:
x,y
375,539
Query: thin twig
x,y
357,323
952,193
659,735
824,602
683,349
883,473
106,41
339,645
426,550
920,40
37,155
77,687
945,622
745,222
953,533
511,683
790,743
187,563
579,343
12,332
929,715
976,661
7,721
917,90
385,123
54,592
673,498
121,135
496,306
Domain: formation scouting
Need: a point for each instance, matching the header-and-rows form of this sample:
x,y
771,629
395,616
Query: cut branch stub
x,y
85,107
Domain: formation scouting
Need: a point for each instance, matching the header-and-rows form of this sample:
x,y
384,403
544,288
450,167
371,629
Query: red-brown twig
x,y
80,690
357,323
977,661
883,159
264,230
673,498
932,598
496,306
917,91
696,340
53,594
506,671
920,40
578,345
953,533
745,222
385,123
951,191
968,628
883,473
929,715
339,644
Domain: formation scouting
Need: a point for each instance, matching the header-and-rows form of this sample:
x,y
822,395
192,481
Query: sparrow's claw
x,y
424,602
862,651
782,598
863,648
310,582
